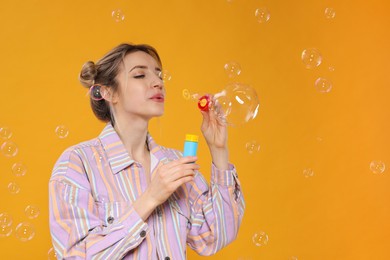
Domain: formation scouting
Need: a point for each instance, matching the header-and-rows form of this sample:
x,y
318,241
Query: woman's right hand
x,y
167,178
170,176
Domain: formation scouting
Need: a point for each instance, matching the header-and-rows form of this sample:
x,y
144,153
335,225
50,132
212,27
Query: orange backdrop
x,y
310,191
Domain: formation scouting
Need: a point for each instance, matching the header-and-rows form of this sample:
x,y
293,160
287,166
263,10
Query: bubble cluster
x,y
24,231
118,15
32,211
5,133
262,15
19,169
260,238
62,131
377,167
9,149
232,69
311,58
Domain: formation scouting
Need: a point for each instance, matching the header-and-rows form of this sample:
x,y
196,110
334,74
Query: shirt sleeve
x,y
77,231
216,211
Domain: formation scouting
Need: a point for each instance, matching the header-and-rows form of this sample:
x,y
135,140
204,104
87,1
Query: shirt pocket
x,y
111,212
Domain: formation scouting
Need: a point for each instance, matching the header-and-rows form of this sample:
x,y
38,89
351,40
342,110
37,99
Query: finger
x,y
182,160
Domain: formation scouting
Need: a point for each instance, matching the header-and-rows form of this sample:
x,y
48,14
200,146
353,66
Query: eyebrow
x,y
143,67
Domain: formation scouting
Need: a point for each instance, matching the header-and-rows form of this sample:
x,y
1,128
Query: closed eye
x,y
139,76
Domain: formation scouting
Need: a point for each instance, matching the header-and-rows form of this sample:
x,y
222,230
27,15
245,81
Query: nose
x,y
157,82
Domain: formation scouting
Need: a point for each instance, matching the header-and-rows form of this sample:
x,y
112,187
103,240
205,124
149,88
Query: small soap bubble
x,y
377,167
52,255
187,95
308,172
118,15
323,85
62,131
331,68
293,258
252,147
311,58
165,75
5,133
260,238
19,169
9,149
5,231
13,188
262,14
32,211
232,69
329,13
24,231
5,219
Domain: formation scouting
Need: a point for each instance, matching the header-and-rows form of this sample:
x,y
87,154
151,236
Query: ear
x,y
108,94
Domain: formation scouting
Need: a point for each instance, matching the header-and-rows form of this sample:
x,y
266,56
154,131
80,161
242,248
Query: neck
x,y
133,134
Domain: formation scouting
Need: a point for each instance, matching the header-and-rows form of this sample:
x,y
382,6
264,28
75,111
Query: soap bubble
x,y
13,188
9,149
377,167
5,133
118,15
24,231
238,103
311,58
19,169
32,211
165,75
262,15
52,255
62,131
5,219
5,231
260,238
329,13
187,95
252,147
323,85
232,69
308,172
293,258
331,68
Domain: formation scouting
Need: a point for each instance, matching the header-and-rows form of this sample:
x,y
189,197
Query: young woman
x,y
121,195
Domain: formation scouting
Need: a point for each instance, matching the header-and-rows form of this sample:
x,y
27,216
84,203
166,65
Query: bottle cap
x,y
204,103
192,138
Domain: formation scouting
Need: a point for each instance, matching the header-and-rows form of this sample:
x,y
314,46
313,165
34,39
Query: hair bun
x,y
88,74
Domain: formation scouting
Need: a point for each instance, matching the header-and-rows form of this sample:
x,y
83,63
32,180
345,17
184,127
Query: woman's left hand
x,y
214,129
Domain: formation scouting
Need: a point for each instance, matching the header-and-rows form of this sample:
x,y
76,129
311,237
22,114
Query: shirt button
x,y
167,258
159,212
143,233
110,220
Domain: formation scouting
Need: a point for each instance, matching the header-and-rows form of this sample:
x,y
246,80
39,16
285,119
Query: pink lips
x,y
158,98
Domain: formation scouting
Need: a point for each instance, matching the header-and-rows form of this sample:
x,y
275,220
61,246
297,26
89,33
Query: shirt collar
x,y
118,157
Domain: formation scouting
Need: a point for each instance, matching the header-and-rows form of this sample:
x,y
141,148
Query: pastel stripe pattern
x,y
92,190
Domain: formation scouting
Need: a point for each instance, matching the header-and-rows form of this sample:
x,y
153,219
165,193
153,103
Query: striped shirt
x,y
93,187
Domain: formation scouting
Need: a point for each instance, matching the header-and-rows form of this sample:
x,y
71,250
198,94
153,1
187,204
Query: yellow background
x,y
341,212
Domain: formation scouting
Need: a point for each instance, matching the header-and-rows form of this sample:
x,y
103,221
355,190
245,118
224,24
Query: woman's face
x,y
141,91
